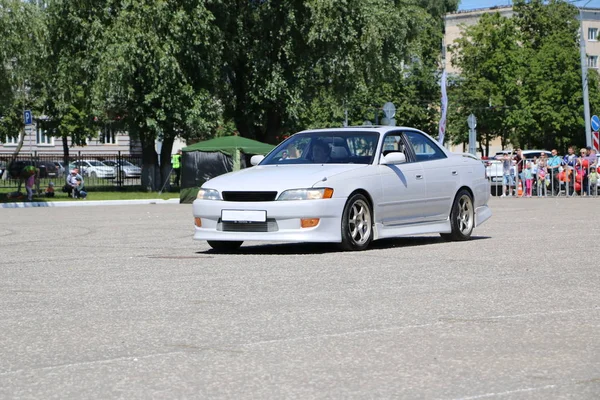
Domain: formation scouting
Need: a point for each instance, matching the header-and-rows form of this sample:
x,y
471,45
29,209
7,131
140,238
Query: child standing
x,y
29,186
541,182
593,180
528,176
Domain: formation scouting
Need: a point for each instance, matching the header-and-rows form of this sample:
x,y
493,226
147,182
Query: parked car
x,y
47,168
346,185
2,168
93,169
128,170
60,167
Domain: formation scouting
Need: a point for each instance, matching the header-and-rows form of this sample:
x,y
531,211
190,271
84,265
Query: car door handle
x,y
454,172
419,176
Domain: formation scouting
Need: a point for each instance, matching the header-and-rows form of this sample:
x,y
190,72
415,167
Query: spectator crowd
x,y
572,174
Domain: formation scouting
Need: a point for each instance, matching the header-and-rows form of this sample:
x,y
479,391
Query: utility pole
x,y
584,81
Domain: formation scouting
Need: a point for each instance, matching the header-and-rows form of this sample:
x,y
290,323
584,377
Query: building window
x,y
593,34
11,141
43,138
108,135
592,61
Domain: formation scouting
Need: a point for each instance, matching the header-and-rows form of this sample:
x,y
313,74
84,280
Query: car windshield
x,y
96,164
339,147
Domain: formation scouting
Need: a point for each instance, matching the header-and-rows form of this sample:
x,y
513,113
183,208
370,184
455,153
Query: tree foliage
x,y
22,50
156,74
521,77
195,69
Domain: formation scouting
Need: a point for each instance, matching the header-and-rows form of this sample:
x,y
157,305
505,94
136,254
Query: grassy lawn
x,y
93,194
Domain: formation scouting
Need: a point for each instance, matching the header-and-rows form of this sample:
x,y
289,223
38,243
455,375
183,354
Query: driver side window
x,y
393,143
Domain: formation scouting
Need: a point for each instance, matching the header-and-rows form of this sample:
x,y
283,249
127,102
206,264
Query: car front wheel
x,y
224,246
357,224
462,217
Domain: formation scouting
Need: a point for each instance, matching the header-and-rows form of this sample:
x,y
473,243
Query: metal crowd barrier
x,y
579,179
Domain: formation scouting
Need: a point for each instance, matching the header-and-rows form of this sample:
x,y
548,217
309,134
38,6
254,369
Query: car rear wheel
x,y
224,246
93,175
462,217
357,224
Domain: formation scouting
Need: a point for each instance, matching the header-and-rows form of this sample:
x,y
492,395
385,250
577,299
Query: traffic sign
x,y
389,110
27,117
595,123
472,121
596,140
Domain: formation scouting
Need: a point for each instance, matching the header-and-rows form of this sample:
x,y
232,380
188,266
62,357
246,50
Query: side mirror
x,y
255,160
393,158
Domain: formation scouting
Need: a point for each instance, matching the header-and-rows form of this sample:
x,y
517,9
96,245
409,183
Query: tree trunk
x,y
19,145
150,173
165,162
273,128
65,145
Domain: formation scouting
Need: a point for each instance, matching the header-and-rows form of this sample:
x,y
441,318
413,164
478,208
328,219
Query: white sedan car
x,y
347,186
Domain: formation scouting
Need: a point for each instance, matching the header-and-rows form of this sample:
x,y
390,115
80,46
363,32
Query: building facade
x,y
109,141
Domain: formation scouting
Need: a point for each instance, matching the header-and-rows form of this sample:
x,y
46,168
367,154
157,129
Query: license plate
x,y
497,179
243,216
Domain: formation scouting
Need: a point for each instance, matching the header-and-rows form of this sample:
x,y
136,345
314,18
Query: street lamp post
x,y
584,81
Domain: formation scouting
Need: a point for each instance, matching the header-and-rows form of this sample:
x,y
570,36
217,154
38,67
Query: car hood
x,y
278,177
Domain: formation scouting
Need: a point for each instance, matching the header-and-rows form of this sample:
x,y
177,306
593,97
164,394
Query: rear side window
x,y
425,149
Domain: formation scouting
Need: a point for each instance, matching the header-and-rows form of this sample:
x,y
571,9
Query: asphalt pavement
x,y
120,302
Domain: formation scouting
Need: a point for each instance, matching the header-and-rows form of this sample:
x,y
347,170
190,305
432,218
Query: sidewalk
x,y
85,203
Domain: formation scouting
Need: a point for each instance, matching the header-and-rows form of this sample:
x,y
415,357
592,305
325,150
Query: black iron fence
x,y
99,171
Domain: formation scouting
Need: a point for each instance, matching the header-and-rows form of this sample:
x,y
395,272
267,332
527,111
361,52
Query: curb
x,y
86,203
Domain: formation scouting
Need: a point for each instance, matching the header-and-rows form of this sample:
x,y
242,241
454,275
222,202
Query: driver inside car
x,y
320,152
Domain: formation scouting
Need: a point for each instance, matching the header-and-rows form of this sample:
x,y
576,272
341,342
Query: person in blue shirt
x,y
553,165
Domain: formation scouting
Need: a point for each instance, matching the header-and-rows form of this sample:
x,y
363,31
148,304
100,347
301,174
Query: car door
x,y
441,173
403,185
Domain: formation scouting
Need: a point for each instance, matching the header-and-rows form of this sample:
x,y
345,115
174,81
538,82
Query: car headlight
x,y
208,194
306,194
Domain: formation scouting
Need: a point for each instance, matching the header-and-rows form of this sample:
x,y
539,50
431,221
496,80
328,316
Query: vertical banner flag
x,y
442,129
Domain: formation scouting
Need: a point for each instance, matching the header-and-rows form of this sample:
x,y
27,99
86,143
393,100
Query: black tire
x,y
462,217
93,175
224,246
496,191
357,224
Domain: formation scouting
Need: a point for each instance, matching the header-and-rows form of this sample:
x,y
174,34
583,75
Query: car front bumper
x,y
282,225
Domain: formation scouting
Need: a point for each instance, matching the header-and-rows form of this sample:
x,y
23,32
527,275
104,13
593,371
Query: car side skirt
x,y
386,231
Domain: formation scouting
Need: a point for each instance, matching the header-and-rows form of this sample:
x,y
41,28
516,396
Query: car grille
x,y
249,196
269,226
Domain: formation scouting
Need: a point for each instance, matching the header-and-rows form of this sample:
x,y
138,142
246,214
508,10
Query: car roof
x,y
377,128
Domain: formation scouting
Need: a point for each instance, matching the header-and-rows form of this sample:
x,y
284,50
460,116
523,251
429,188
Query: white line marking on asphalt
x,y
92,362
341,334
400,327
482,396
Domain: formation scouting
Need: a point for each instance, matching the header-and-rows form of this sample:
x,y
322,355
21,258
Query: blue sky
x,y
470,4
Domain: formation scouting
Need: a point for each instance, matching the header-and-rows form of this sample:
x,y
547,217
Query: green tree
x,y
155,72
489,59
550,113
521,77
292,64
22,48
75,28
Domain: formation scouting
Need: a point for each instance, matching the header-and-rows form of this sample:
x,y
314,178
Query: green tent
x,y
205,160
